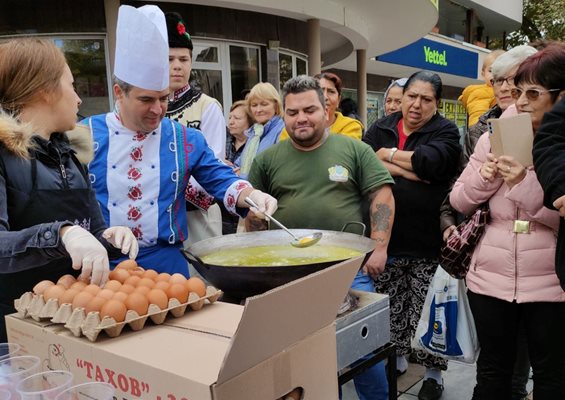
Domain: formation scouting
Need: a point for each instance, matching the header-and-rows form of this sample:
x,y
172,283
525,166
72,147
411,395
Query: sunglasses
x,y
531,94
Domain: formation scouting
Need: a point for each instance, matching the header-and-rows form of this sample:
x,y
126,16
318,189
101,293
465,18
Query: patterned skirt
x,y
406,281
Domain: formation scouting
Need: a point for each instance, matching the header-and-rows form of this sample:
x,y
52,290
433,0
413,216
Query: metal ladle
x,y
303,241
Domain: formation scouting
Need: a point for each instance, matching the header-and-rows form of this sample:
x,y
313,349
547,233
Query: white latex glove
x,y
121,237
267,203
87,252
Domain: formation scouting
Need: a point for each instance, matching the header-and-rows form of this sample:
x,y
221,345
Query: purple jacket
x,y
507,265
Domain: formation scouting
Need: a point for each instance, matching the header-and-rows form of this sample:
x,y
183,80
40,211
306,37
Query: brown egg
x,y
113,309
132,280
106,294
127,264
95,304
121,296
163,276
143,290
66,281
92,289
41,286
78,285
119,275
159,298
196,285
85,279
82,299
150,283
163,285
137,271
151,274
68,296
113,285
127,288
177,278
54,292
137,302
178,291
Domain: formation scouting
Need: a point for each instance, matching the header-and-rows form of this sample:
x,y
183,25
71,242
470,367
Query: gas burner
x,y
363,328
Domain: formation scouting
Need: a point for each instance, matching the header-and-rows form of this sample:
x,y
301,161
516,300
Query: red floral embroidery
x,y
231,200
136,153
134,213
241,185
135,192
140,136
134,173
137,232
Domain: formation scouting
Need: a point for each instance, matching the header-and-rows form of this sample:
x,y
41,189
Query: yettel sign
x,y
435,56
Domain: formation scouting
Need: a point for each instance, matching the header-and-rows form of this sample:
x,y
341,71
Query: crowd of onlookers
x,y
514,287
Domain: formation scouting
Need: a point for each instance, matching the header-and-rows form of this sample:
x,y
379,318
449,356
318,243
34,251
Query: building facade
x,y
239,43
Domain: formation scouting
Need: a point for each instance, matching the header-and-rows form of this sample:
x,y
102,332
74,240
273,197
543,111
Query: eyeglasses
x,y
499,81
531,94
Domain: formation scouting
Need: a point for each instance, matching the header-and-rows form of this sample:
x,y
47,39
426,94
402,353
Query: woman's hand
x,y
489,169
511,170
448,231
383,153
86,253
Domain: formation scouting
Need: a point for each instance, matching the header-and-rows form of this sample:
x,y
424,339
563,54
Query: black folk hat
x,y
177,32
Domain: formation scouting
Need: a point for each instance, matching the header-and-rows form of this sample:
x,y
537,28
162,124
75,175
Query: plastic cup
x,y
88,391
44,385
15,369
8,350
5,394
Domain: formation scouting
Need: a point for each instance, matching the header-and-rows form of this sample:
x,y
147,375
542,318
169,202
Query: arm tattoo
x,y
380,218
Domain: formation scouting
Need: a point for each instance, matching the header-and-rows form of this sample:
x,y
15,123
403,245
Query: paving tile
x,y
412,376
458,382
407,396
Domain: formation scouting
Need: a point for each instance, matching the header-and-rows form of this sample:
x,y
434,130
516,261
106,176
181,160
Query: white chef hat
x,y
142,48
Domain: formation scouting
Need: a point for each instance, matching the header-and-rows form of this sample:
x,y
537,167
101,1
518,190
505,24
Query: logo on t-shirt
x,y
338,173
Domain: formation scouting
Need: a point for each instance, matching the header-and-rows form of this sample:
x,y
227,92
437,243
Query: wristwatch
x,y
392,151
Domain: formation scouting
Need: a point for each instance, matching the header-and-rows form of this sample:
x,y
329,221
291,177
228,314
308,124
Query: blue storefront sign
x,y
434,56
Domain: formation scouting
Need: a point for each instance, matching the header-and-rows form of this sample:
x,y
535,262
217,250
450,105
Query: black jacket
x,y
436,155
549,163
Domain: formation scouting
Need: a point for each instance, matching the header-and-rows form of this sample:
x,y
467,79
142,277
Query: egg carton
x,y
34,306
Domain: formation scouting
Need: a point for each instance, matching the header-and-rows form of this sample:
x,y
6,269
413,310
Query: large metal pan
x,y
242,282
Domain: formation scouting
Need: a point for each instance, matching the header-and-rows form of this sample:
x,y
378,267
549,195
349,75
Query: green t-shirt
x,y
320,189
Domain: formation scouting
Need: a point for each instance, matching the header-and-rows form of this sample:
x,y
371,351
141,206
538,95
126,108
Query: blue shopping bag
x,y
446,327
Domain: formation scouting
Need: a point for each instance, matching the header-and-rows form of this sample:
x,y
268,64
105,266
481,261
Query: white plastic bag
x,y
446,328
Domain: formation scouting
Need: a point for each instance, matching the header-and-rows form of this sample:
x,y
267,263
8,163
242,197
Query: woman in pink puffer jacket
x,y
512,277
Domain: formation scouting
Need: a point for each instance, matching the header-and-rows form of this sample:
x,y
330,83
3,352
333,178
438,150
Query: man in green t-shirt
x,y
322,181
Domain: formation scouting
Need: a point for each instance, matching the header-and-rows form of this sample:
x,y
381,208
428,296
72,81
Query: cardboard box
x,y
278,341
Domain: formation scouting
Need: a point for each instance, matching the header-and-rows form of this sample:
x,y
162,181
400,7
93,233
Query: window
x,y
454,111
290,65
222,70
244,69
207,71
87,61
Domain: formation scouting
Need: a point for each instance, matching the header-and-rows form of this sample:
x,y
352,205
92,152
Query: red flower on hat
x,y
181,28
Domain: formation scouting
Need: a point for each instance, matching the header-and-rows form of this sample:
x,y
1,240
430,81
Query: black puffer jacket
x,y
40,244
30,253
436,154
